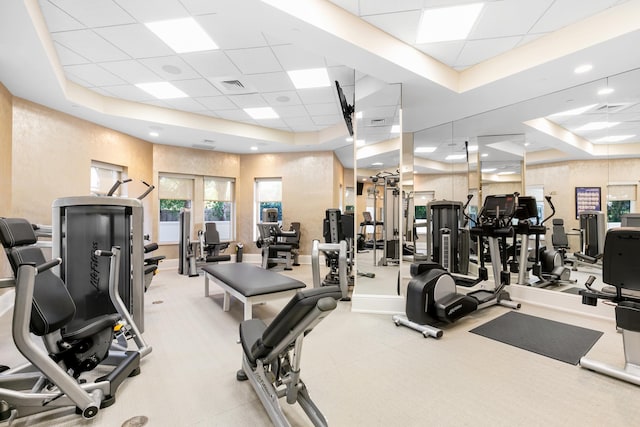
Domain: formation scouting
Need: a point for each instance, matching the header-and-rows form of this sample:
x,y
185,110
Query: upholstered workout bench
x,y
249,284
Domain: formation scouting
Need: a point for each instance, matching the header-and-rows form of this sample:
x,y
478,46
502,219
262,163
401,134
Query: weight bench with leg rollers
x,y
249,283
271,354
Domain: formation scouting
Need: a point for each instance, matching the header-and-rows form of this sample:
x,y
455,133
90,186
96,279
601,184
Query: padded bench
x,y
249,283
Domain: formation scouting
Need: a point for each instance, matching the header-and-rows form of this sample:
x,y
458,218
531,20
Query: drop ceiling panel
x,y
290,111
402,25
508,18
184,104
326,120
196,88
565,12
90,45
131,93
95,13
217,103
476,51
227,36
317,95
271,82
276,99
254,61
235,115
136,40
376,7
298,122
211,63
351,6
153,10
57,19
200,7
94,75
445,52
294,58
171,68
323,109
68,57
248,101
131,71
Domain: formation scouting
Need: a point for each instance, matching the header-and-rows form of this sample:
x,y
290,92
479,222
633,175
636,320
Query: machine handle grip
x,y
48,265
100,252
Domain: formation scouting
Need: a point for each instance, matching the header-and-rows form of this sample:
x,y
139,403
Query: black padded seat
x,y
218,258
251,280
250,332
281,248
80,329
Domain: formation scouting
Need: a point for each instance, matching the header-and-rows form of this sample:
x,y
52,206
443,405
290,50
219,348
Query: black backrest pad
x,y
16,232
296,309
620,266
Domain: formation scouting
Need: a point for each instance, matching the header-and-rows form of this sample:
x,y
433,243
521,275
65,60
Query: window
x,y
175,194
219,206
537,191
103,176
268,194
621,199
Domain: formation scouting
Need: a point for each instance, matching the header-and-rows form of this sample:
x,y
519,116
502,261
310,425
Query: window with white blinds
x,y
219,205
103,176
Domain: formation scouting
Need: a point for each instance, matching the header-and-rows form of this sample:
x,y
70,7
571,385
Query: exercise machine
x,y
387,184
592,231
206,250
620,268
71,346
278,246
337,250
432,296
271,354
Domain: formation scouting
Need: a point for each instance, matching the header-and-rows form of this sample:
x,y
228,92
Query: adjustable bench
x,y
249,284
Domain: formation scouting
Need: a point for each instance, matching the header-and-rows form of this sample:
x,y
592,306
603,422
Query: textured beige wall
x,y
307,191
52,154
6,114
445,186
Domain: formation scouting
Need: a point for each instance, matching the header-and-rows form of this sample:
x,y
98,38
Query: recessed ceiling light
x,y
597,126
349,139
162,90
262,113
506,173
182,35
425,149
484,155
377,164
395,129
358,115
455,156
154,134
614,138
447,23
605,91
310,78
254,148
487,170
574,111
583,68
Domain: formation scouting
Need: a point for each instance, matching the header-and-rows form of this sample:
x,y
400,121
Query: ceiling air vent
x,y
203,147
611,108
230,85
377,122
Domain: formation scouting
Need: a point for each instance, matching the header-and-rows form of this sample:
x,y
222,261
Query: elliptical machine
x,y
432,297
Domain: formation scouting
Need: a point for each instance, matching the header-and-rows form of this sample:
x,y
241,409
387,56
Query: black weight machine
x,y
432,296
621,269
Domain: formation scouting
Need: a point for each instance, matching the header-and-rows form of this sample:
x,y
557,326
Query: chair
x,y
43,307
271,354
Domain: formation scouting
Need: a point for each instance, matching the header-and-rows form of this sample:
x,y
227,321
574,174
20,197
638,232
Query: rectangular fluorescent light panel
x,y
596,126
614,138
262,113
487,170
162,90
395,129
455,156
575,111
182,35
447,23
310,78
425,149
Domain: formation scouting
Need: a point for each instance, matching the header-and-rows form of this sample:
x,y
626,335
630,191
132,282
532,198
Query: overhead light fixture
x,y
254,148
349,139
425,149
262,113
596,126
614,138
455,156
506,173
310,78
484,155
360,142
606,91
472,148
581,69
182,35
154,134
574,111
358,115
395,129
487,170
447,23
162,90
377,164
